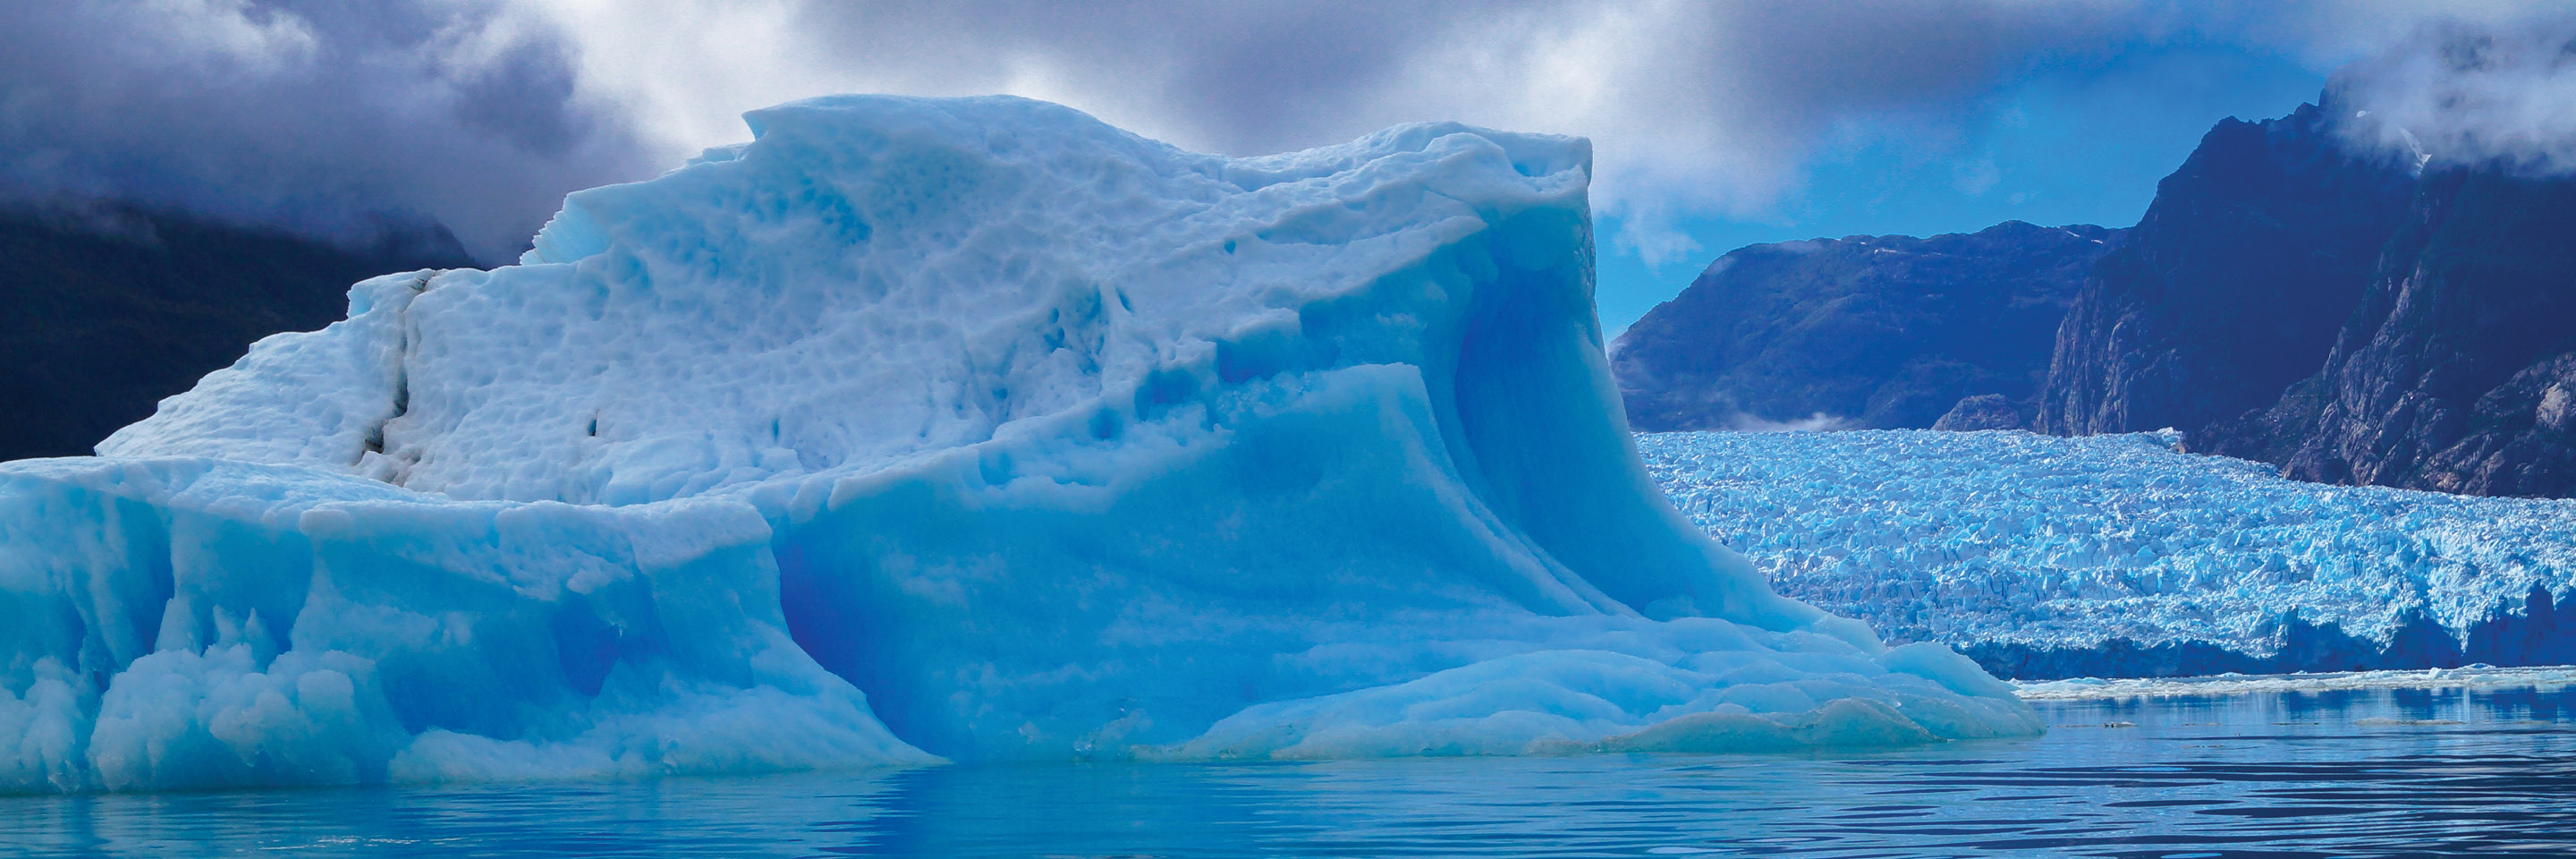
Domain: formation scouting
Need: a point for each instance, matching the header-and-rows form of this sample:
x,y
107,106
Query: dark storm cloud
x,y
1259,77
1692,105
316,116
1248,75
1835,57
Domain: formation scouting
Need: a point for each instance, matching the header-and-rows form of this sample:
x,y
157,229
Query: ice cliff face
x,y
969,428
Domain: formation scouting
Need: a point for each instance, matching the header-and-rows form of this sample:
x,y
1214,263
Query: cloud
x,y
481,113
2496,92
1694,107
317,116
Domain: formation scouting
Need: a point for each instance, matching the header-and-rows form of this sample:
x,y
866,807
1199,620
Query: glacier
x,y
2118,556
929,429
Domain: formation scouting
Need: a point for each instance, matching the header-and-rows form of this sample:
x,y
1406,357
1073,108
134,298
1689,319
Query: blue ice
x,y
915,429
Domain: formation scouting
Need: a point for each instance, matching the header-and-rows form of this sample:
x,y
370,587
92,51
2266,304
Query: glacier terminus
x,y
2120,556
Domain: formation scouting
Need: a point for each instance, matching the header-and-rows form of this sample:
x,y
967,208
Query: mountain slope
x,y
2458,371
1868,331
2231,287
104,312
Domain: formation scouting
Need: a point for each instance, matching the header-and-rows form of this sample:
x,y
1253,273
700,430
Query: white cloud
x,y
2461,92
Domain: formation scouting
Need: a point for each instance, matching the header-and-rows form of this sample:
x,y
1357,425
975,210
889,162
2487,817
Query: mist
x,y
322,118
2485,94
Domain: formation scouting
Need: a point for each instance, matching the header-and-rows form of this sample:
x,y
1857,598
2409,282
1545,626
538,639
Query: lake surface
x,y
2354,772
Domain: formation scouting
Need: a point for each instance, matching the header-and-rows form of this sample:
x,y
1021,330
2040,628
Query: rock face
x,y
106,310
2337,315
1866,331
2457,373
2288,298
1980,412
2231,288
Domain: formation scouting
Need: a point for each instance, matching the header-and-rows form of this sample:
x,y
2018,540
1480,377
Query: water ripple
x,y
2380,773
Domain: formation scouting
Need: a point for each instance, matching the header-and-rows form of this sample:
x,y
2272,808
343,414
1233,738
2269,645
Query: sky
x,y
1715,124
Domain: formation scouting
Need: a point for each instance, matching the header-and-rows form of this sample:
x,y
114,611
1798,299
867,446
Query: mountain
x,y
2345,315
2230,288
106,308
2457,372
2337,314
1866,331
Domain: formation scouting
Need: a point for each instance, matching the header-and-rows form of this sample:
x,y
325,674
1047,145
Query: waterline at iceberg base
x,y
918,429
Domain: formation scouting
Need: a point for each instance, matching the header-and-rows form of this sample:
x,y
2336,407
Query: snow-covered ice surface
x,y
2116,556
963,428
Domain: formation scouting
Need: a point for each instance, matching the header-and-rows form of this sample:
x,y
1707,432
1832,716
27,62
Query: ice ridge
x,y
2118,556
922,428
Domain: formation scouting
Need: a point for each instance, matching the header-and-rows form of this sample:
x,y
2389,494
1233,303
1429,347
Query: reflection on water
x,y
2356,773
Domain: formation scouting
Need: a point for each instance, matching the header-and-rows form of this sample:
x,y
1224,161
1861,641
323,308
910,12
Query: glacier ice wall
x,y
963,428
2117,556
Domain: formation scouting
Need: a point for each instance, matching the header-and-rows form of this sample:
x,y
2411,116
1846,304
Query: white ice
x,y
2074,545
971,428
2475,676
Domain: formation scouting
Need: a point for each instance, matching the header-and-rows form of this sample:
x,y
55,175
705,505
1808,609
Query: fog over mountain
x,y
2457,94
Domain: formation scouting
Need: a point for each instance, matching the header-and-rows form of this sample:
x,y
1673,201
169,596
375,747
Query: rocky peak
x,y
2232,286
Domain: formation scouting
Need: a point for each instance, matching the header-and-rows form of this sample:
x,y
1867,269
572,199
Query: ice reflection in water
x,y
2361,773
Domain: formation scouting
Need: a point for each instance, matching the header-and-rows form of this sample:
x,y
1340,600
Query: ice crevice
x,y
400,395
916,429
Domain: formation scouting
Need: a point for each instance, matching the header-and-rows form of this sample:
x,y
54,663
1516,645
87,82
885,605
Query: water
x,y
2368,772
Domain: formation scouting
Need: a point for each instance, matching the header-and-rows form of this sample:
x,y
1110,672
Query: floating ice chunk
x,y
2484,677
972,428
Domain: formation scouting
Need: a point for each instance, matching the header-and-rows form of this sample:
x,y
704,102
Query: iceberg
x,y
914,429
2050,558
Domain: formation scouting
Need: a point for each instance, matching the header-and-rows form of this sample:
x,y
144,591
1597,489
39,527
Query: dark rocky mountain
x,y
1982,412
2339,315
2457,372
2231,288
1864,332
2286,298
106,309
